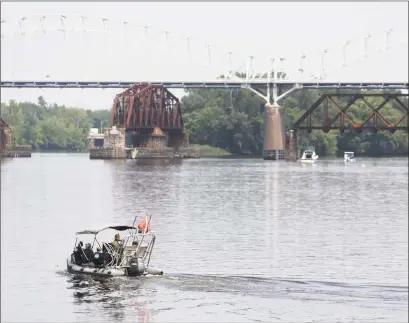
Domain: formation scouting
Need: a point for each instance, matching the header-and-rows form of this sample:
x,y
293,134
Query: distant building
x,y
93,131
95,139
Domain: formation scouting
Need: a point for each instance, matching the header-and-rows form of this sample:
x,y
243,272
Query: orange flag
x,y
144,225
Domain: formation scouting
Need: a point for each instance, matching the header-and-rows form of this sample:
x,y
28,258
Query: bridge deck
x,y
206,84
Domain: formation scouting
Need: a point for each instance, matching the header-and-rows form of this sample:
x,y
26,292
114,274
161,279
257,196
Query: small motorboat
x,y
128,256
309,156
349,157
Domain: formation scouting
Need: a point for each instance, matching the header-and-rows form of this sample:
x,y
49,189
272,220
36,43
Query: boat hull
x,y
349,161
308,161
107,272
101,272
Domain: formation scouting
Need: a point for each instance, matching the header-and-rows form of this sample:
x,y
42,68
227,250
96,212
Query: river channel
x,y
239,240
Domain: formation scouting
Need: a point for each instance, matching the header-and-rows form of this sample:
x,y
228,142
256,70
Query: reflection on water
x,y
117,298
239,240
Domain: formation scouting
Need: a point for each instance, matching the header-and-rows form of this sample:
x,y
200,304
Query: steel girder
x,y
334,115
145,106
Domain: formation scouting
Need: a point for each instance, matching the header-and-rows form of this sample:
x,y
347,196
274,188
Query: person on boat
x,y
116,244
78,253
88,253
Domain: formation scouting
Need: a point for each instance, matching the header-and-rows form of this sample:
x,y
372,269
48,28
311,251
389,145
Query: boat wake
x,y
230,296
255,286
287,288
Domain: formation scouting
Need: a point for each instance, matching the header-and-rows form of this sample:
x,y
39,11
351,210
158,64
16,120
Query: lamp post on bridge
x,y
209,54
301,69
344,54
126,28
62,21
146,32
367,38
187,40
230,71
166,34
83,21
20,21
388,32
249,67
322,62
42,18
282,59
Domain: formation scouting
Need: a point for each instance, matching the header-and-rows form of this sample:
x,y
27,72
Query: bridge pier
x,y
291,149
274,134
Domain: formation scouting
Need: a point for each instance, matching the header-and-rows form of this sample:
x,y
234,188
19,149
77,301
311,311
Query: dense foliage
x,y
229,119
233,120
51,127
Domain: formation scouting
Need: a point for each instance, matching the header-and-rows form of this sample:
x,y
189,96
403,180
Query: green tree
x,y
233,120
50,127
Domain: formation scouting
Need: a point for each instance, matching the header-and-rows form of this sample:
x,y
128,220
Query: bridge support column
x,y
291,152
274,135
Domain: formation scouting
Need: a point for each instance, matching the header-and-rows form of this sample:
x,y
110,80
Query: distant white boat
x,y
349,157
134,153
309,156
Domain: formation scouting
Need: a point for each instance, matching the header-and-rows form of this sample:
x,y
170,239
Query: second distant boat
x,y
309,156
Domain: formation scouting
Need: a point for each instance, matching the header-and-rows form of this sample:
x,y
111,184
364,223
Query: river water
x,y
239,240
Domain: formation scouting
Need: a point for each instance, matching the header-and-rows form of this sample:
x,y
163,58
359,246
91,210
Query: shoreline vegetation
x,y
210,152
220,123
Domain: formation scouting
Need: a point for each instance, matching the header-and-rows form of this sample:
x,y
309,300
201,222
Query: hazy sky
x,y
111,51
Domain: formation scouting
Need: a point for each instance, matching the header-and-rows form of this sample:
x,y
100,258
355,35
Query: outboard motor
x,y
136,267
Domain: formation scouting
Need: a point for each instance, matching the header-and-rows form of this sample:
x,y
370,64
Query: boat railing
x,y
127,252
143,249
111,251
136,234
140,237
130,252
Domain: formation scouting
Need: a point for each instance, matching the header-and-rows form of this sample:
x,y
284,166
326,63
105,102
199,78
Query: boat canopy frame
x,y
125,239
112,227
95,233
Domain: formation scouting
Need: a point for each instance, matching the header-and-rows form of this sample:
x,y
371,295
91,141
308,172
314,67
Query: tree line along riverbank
x,y
220,122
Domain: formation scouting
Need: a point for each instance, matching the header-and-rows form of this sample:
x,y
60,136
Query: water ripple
x,y
239,240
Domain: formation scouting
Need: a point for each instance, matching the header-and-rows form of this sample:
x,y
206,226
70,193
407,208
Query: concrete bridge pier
x,y
274,133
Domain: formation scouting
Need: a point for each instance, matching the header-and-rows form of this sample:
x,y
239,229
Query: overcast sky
x,y
60,49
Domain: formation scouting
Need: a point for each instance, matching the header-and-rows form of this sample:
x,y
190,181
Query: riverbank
x,y
205,151
211,152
